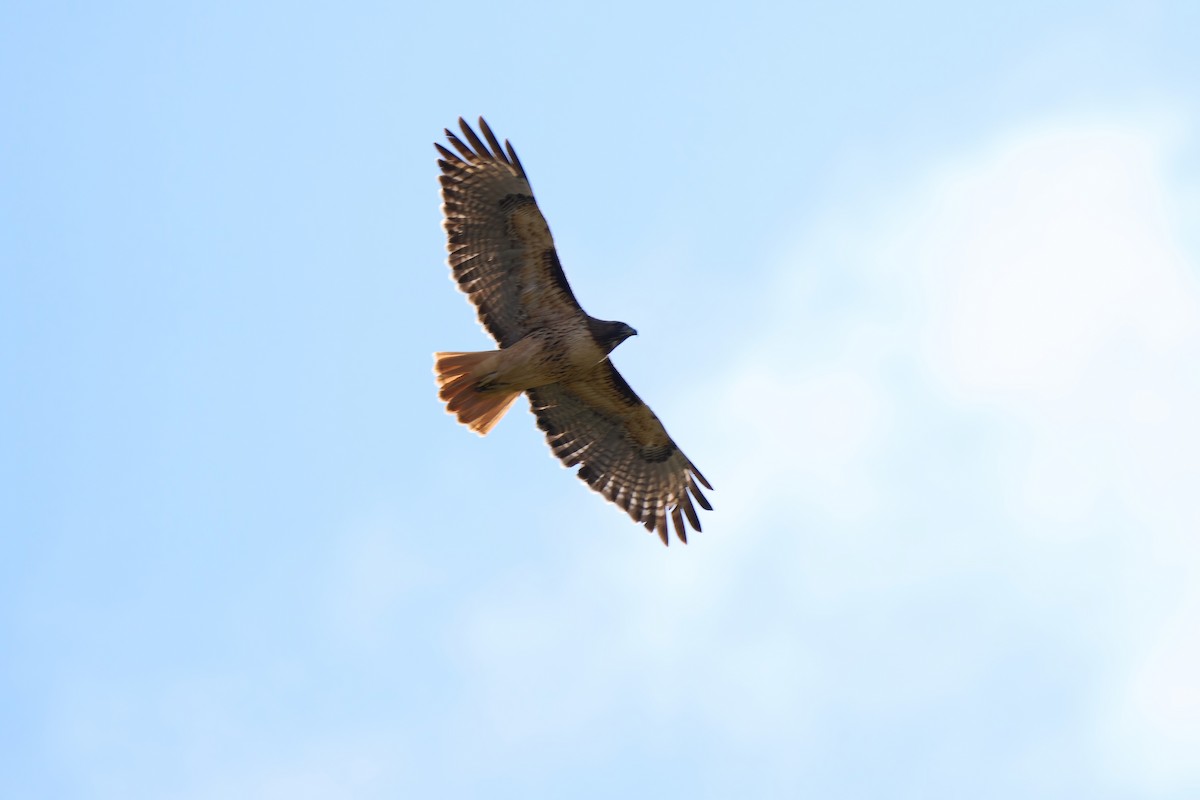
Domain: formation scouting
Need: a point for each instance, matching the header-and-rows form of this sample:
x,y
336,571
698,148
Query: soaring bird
x,y
503,258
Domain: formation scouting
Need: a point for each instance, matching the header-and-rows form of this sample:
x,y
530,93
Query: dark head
x,y
609,334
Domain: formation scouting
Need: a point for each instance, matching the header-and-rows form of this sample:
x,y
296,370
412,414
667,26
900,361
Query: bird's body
x,y
503,257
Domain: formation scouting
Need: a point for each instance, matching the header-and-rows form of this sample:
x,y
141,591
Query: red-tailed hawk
x,y
503,258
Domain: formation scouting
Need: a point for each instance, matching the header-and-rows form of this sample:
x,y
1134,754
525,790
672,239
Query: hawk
x,y
503,259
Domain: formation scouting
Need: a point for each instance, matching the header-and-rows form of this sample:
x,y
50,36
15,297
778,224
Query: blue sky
x,y
918,289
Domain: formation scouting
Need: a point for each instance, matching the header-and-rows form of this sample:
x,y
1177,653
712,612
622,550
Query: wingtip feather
x,y
493,142
467,154
474,139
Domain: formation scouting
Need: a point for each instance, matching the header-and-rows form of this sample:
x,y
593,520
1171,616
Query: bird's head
x,y
610,334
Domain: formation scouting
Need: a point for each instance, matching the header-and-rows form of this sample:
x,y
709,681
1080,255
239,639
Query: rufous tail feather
x,y
458,386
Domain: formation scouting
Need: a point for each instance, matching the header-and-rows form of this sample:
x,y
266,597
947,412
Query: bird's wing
x,y
501,251
622,450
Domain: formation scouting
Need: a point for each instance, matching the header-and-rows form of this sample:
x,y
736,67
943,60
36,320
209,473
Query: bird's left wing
x,y
622,450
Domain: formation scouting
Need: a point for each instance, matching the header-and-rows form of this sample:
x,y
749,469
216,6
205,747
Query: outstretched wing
x,y
623,451
501,251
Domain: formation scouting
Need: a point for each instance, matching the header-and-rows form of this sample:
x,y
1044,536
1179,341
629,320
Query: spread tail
x,y
458,382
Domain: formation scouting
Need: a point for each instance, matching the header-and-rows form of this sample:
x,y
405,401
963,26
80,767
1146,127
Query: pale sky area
x,y
918,289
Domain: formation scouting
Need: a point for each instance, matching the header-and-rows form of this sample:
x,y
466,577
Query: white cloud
x,y
1059,303
1050,256
1064,301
